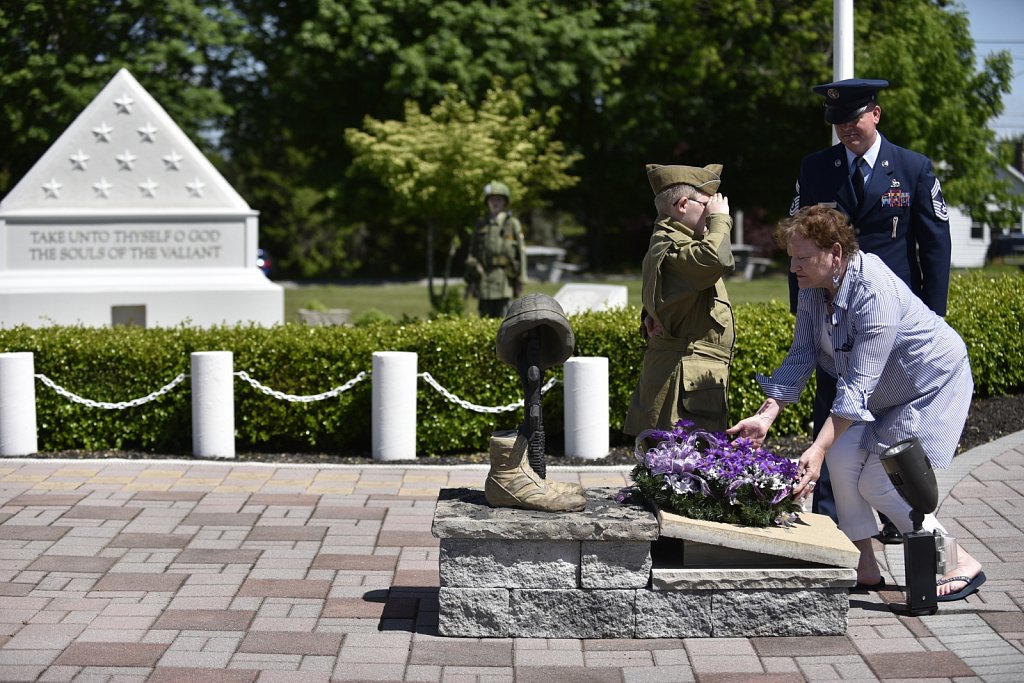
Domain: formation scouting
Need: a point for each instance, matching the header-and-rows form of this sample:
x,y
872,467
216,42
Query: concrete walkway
x,y
197,571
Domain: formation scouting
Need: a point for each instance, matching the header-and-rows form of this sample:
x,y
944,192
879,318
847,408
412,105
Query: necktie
x,y
858,180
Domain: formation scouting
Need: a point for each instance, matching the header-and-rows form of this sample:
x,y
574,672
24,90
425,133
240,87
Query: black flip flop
x,y
865,587
972,585
889,535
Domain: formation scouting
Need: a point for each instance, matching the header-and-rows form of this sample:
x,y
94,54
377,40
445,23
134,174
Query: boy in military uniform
x,y
687,317
496,266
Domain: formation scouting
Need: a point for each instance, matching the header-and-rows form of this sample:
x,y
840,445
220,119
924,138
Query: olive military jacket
x,y
685,372
497,260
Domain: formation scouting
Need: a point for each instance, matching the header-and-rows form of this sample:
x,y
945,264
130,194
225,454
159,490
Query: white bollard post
x,y
586,408
18,404
213,404
394,405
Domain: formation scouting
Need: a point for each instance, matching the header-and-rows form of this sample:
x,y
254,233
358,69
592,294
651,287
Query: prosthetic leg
x,y
911,473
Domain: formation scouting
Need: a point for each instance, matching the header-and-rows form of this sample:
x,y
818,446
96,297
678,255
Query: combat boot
x,y
511,481
557,486
562,486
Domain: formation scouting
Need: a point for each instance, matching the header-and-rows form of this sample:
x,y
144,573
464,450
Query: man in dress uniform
x,y
895,204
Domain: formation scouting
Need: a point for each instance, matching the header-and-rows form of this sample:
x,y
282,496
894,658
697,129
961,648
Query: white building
x,y
971,239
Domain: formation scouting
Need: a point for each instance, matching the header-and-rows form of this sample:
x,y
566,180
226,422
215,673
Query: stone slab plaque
x,y
706,555
812,538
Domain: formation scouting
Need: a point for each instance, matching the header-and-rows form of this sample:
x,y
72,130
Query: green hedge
x,y
120,364
988,312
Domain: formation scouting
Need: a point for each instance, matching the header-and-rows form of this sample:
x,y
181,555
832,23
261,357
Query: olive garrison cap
x,y
847,99
705,179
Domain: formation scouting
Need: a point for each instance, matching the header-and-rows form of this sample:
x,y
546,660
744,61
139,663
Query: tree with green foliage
x,y
675,81
435,165
317,69
730,82
938,102
635,82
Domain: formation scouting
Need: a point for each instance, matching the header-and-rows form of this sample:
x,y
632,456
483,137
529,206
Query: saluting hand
x,y
718,203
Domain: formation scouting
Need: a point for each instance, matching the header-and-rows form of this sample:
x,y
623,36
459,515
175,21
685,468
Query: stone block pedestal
x,y
525,574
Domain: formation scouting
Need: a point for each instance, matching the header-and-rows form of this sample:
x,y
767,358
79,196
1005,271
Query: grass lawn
x,y
396,300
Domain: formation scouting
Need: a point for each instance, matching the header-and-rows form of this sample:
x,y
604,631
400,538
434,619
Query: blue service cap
x,y
847,99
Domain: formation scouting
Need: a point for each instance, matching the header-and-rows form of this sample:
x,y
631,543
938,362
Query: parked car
x,y
264,262
1006,244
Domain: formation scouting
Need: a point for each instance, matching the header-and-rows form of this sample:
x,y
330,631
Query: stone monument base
x,y
516,573
146,298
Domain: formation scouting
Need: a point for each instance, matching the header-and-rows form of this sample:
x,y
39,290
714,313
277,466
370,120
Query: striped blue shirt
x,y
891,355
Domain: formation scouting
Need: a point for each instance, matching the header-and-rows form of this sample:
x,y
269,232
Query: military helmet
x,y
496,189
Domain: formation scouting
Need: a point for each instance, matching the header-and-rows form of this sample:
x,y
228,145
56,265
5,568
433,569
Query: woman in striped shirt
x,y
901,372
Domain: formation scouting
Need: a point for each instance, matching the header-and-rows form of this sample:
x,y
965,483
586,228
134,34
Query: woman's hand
x,y
756,427
809,470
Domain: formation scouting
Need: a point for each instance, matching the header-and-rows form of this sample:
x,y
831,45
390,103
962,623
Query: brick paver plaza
x,y
176,570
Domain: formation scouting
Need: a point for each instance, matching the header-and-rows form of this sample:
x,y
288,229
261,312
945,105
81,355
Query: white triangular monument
x,y
124,221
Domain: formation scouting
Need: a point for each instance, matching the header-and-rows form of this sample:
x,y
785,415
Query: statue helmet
x,y
496,189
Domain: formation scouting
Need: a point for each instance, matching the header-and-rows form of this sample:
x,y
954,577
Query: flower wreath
x,y
704,475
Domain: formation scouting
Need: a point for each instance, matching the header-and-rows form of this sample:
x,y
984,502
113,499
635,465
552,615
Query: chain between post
x,y
280,395
108,405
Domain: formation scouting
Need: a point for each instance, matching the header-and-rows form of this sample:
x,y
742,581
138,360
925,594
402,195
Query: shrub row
x,y
120,364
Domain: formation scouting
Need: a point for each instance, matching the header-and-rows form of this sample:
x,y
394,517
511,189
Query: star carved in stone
x,y
149,188
102,132
195,188
102,188
147,132
126,161
173,161
78,160
124,104
52,189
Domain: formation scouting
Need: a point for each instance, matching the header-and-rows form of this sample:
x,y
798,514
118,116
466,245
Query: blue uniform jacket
x,y
903,219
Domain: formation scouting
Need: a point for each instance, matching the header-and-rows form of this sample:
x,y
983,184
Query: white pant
x,y
859,483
